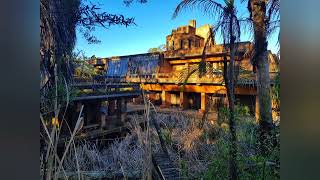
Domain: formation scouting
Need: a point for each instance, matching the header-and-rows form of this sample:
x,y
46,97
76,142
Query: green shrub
x,y
240,112
219,167
166,133
184,168
223,115
251,164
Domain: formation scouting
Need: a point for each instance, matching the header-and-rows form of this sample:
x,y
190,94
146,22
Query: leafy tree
x,y
229,25
160,48
58,22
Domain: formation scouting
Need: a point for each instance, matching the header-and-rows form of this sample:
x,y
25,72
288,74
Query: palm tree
x,y
262,14
229,26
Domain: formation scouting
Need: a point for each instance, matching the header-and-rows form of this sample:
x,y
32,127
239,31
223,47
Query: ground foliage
x,y
251,164
198,151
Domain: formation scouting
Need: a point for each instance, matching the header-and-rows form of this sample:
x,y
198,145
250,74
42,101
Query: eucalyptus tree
x,y
265,18
58,22
228,24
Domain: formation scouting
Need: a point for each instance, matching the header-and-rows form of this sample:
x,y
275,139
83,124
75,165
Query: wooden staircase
x,y
165,166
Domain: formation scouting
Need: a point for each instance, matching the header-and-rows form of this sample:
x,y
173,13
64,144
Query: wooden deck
x,y
99,132
104,90
108,96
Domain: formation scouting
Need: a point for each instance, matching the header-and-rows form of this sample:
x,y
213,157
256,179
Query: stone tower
x,y
193,23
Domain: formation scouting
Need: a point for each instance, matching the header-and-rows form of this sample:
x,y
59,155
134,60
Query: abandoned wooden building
x,y
168,79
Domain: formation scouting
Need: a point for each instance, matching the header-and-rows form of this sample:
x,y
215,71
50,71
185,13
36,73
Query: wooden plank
x,y
108,96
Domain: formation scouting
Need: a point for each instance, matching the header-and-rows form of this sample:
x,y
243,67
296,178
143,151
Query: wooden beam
x,y
216,89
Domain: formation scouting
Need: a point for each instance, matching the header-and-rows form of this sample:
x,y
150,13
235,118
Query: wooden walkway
x,y
98,132
105,90
107,96
165,167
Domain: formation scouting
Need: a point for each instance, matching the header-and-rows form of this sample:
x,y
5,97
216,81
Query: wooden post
x,y
123,110
119,101
104,112
111,107
92,112
163,98
183,100
166,99
257,115
203,102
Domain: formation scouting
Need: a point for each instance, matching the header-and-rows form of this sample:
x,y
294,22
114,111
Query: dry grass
x,y
127,157
186,142
190,147
121,158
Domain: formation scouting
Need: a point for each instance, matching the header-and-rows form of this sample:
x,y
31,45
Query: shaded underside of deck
x,y
109,96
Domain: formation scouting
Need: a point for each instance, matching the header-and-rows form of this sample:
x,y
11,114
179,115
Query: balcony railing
x,y
244,78
247,78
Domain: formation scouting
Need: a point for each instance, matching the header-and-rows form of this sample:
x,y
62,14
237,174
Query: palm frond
x,y
247,27
274,27
187,78
208,7
274,9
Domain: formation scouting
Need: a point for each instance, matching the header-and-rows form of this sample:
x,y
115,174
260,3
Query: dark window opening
x,y
189,43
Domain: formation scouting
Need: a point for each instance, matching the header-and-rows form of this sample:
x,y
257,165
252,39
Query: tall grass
x,y
199,148
128,157
51,164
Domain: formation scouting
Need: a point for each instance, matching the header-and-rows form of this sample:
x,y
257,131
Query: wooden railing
x,y
175,78
178,78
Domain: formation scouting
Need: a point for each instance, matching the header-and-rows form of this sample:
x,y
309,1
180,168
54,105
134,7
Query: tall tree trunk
x,y
260,61
230,84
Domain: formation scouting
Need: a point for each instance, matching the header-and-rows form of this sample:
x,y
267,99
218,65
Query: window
x,y
181,44
172,45
189,43
197,43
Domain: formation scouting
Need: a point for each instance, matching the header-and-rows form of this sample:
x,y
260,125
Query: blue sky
x,y
154,22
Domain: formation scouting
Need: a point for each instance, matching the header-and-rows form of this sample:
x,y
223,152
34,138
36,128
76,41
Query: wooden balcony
x,y
247,78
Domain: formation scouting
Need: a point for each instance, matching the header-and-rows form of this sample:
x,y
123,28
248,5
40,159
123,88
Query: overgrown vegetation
x,y
251,164
200,149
